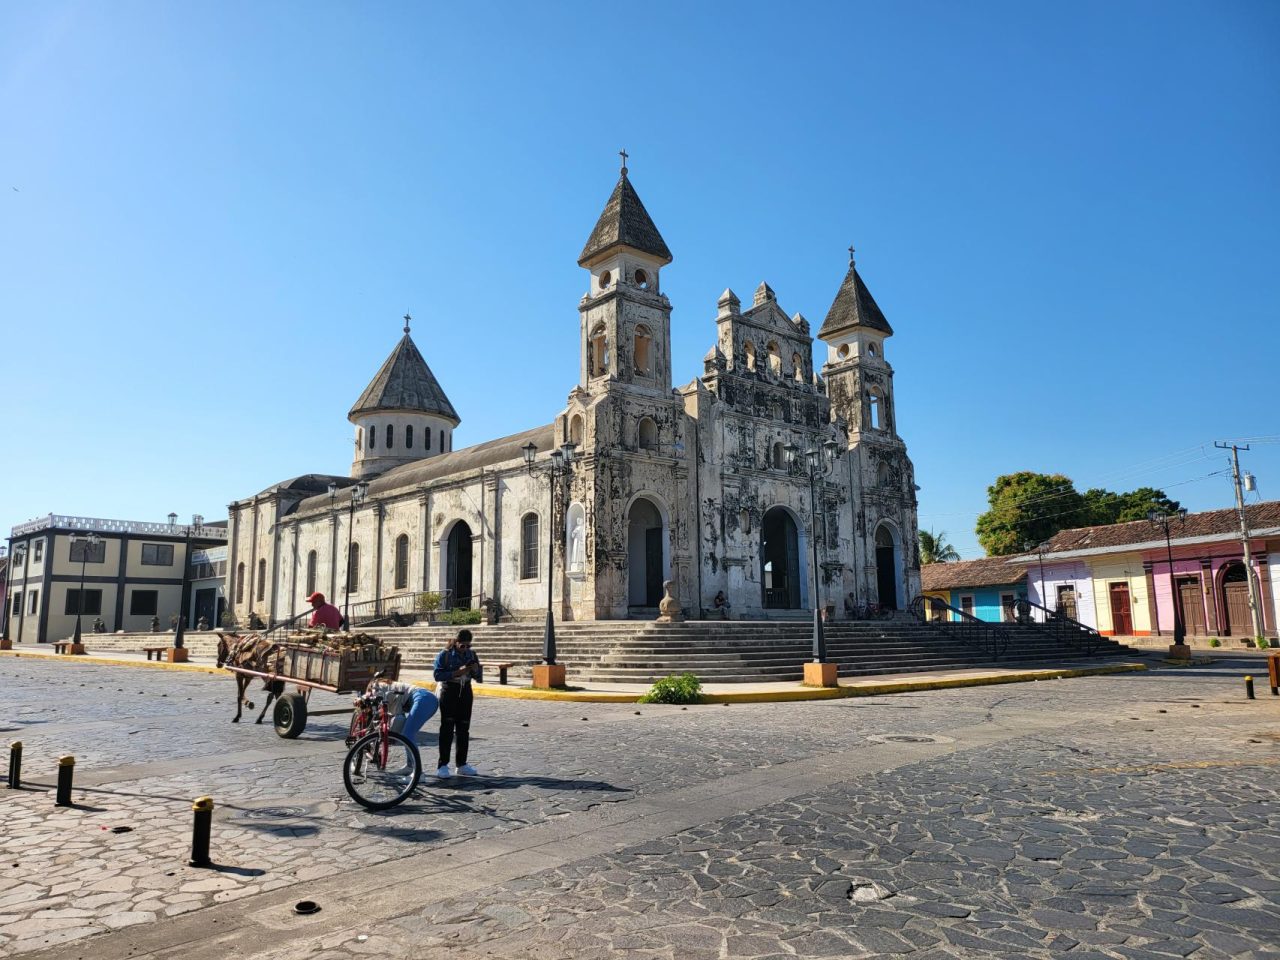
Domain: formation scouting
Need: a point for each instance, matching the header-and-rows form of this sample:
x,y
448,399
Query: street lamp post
x,y
1162,519
1039,552
561,464
179,652
818,464
358,494
90,544
5,642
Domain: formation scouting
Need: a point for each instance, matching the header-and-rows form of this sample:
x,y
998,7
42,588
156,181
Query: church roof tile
x,y
405,382
624,222
853,307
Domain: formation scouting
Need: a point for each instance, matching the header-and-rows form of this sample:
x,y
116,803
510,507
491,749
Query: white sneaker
x,y
443,772
467,770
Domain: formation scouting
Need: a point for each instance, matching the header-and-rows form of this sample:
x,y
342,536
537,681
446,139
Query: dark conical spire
x,y
624,222
405,382
853,307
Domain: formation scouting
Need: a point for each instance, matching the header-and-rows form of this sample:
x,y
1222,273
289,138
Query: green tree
x,y
1028,507
1105,506
935,549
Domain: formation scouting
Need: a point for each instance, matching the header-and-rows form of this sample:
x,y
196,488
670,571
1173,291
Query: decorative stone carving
x,y
669,608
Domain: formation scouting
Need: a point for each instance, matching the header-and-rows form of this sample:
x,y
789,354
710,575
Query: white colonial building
x,y
692,484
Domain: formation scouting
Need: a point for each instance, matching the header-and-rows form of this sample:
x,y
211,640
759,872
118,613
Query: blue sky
x,y
212,217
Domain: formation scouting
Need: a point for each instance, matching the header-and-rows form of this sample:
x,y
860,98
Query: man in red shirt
x,y
324,614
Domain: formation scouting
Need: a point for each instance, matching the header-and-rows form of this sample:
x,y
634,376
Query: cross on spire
x,y
407,319
851,254
623,154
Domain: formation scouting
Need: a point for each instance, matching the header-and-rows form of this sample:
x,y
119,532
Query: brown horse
x,y
251,652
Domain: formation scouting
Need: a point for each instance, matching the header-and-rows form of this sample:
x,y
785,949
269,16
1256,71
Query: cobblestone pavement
x,y
1130,816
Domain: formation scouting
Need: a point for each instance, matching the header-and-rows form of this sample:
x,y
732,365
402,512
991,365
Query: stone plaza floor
x,y
1126,816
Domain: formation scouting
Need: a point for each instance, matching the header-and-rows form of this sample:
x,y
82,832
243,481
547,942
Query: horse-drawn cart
x,y
336,664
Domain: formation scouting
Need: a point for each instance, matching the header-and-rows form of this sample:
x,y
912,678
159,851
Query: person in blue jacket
x,y
455,668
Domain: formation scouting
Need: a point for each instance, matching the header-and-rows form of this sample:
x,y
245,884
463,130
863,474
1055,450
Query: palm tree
x,y
935,549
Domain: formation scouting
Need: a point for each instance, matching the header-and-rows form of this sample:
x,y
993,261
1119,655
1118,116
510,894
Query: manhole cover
x,y
276,813
909,738
903,738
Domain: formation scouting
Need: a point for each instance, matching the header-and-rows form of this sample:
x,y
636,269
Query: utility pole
x,y
1255,607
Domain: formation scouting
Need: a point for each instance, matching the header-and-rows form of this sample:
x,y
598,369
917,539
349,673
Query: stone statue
x,y
577,546
669,608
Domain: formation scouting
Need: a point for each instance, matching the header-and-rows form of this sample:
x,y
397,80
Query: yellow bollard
x,y
66,770
15,765
1248,687
203,822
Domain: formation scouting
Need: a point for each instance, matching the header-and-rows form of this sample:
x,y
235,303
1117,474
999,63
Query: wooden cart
x,y
309,668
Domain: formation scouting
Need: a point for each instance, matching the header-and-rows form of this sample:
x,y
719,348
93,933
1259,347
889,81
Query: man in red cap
x,y
324,614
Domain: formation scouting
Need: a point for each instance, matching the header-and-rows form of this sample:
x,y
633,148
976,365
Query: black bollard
x,y
15,765
66,770
1248,687
203,821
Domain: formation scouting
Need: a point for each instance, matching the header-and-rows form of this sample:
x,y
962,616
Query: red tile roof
x,y
1226,523
987,572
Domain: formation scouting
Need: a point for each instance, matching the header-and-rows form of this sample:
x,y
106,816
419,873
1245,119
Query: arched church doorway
x,y
646,553
780,560
887,567
1235,600
457,565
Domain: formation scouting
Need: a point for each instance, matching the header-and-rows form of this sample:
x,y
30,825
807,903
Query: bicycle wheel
x,y
380,785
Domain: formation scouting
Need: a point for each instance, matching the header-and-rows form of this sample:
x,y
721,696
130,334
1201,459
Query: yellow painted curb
x,y
797,694
114,662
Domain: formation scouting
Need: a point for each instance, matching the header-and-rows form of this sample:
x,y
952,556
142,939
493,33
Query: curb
x,y
90,659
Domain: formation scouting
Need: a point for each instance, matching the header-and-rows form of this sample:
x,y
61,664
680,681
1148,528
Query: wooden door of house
x,y
1121,613
1235,602
1192,606
1067,600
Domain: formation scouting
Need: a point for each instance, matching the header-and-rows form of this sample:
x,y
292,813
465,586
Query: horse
x,y
253,653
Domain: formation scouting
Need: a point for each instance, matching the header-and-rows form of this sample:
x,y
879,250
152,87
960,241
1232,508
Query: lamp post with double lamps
x,y
179,652
1162,519
90,543
358,494
549,673
818,463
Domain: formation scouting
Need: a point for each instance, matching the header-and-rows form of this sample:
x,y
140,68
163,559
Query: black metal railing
x,y
1058,625
991,639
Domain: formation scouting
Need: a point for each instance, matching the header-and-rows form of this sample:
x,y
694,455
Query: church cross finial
x,y
407,319
851,254
623,154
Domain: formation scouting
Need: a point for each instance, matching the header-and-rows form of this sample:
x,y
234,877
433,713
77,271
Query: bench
x,y
502,672
61,647
155,652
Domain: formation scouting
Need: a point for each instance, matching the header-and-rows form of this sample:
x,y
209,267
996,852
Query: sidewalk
x,y
764,692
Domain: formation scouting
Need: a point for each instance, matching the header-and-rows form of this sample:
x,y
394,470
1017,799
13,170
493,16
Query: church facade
x,y
744,482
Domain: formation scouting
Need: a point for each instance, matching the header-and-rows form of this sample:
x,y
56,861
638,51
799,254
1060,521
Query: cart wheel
x,y
290,715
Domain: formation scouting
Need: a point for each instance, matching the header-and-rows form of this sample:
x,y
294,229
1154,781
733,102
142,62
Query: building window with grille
x,y
144,603
37,553
92,603
529,547
353,568
34,606
262,580
17,603
157,554
402,562
82,551
311,573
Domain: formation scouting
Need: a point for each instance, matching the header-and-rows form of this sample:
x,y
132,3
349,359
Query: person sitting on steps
x,y
722,605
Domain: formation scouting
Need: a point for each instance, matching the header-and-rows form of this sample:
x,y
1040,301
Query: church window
x,y
262,579
778,460
605,279
402,562
842,351
775,359
875,412
373,437
391,436
882,474
575,429
642,280
442,441
408,437
529,546
797,368
749,350
871,349
647,434
644,351
240,583
598,355
311,572
359,438
353,568
426,443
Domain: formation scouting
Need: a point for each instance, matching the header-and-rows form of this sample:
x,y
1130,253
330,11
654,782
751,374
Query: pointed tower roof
x,y
624,222
853,307
405,382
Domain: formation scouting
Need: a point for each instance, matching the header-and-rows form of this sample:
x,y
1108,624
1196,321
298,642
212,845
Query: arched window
x,y
642,280
875,413
353,568
402,562
262,579
575,429
775,359
647,434
778,459
598,354
882,474
311,573
797,368
442,441
426,439
240,583
750,351
408,436
871,349
391,436
644,352
373,436
359,438
529,546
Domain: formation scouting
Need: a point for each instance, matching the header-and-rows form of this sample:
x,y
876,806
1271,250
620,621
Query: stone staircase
x,y
630,651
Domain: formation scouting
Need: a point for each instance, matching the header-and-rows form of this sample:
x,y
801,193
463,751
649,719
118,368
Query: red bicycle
x,y
383,767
